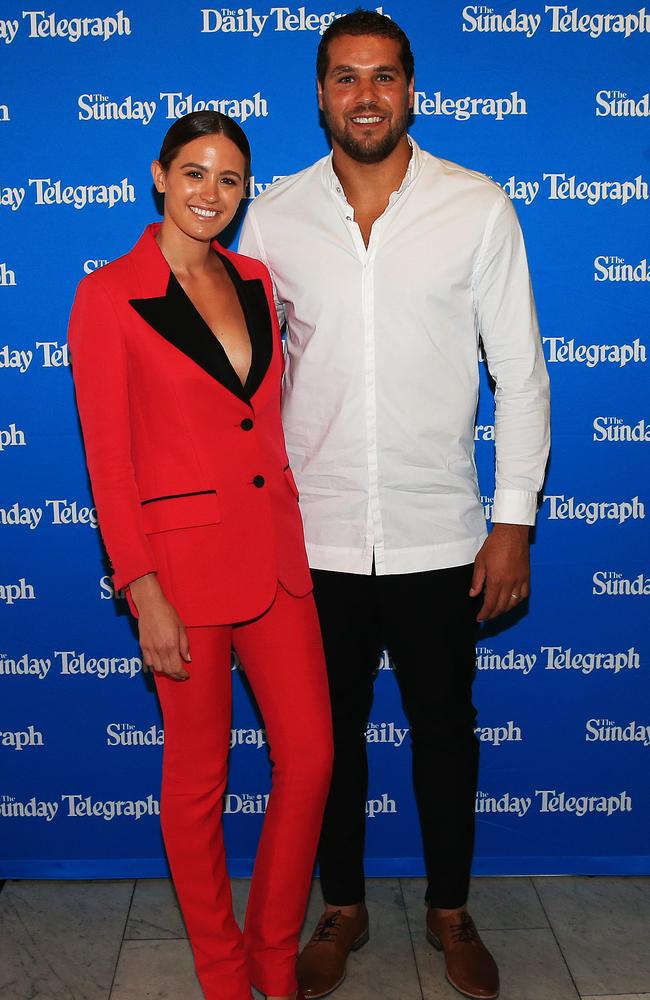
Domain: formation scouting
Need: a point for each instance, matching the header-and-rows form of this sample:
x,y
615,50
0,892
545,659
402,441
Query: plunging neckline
x,y
228,268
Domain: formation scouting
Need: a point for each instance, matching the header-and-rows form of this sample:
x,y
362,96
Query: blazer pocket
x,y
291,482
180,510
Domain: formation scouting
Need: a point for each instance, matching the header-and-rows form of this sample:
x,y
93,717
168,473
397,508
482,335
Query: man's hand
x,y
163,639
502,570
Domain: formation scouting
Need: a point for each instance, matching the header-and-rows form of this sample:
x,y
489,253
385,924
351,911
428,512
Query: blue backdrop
x,y
552,102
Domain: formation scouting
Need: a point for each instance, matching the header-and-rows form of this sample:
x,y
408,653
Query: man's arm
x,y
507,321
250,243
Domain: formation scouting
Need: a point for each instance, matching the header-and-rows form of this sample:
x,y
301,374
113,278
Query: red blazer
x,y
189,470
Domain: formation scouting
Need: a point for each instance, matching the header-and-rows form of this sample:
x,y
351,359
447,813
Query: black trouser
x,y
427,621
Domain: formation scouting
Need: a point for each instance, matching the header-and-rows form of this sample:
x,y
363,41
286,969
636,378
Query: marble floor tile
x,y
154,911
163,970
384,967
495,903
603,928
61,940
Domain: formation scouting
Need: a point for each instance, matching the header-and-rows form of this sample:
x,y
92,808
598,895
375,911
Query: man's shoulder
x,y
286,189
463,180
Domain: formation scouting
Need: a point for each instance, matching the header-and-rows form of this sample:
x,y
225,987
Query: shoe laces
x,y
327,927
464,931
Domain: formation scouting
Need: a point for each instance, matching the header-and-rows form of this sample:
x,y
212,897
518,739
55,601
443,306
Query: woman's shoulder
x,y
248,267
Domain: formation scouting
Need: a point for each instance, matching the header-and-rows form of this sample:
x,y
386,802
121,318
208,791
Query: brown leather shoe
x,y
470,967
321,964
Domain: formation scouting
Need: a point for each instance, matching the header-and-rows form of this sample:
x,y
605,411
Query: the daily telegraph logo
x,y
61,512
608,267
556,19
48,353
550,800
244,21
22,738
610,583
557,658
103,108
617,430
78,806
559,350
563,508
39,24
45,191
256,803
618,104
7,276
608,731
570,187
18,591
461,109
70,663
496,735
386,733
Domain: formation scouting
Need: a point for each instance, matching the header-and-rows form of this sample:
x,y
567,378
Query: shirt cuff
x,y
514,507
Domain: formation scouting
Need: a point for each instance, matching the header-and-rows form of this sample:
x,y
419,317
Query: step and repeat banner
x,y
551,101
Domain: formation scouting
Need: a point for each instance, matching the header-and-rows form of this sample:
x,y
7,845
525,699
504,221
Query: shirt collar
x,y
411,174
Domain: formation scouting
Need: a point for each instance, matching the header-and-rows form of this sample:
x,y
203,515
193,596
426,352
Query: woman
x,y
177,362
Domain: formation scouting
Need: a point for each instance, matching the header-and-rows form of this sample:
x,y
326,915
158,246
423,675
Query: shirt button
x,y
246,424
259,482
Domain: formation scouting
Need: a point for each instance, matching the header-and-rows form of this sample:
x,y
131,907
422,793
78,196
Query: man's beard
x,y
368,150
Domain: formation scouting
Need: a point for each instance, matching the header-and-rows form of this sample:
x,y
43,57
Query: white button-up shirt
x,y
382,363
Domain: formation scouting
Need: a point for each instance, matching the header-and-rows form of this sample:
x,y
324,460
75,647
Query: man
x,y
388,265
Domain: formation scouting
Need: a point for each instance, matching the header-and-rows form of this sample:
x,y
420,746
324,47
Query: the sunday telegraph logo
x,y
549,800
608,267
559,350
569,187
78,806
617,430
127,734
102,108
12,437
61,512
7,276
461,109
45,191
563,508
20,739
49,353
244,21
618,104
556,19
70,663
39,24
558,659
608,731
610,583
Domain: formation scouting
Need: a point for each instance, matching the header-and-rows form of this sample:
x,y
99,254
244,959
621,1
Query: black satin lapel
x,y
175,318
255,307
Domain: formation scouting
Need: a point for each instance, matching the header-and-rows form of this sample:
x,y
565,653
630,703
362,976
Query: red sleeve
x,y
100,372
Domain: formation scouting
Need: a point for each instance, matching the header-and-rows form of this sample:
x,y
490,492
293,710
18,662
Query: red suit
x,y
191,480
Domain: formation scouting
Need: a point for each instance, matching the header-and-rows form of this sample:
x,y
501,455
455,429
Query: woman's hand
x,y
163,639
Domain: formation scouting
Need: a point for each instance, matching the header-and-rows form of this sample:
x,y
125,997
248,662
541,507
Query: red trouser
x,y
282,655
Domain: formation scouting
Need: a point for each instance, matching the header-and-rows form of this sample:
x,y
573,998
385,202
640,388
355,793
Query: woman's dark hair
x,y
365,22
199,123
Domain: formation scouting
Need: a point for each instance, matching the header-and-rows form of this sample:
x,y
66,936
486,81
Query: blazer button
x,y
246,424
258,481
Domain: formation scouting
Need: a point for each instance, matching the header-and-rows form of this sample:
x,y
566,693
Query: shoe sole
x,y
435,941
359,943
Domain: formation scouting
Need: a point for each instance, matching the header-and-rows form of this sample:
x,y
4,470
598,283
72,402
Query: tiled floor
x,y
554,939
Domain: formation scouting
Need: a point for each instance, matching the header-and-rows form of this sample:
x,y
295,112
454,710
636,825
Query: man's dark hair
x,y
197,124
364,22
